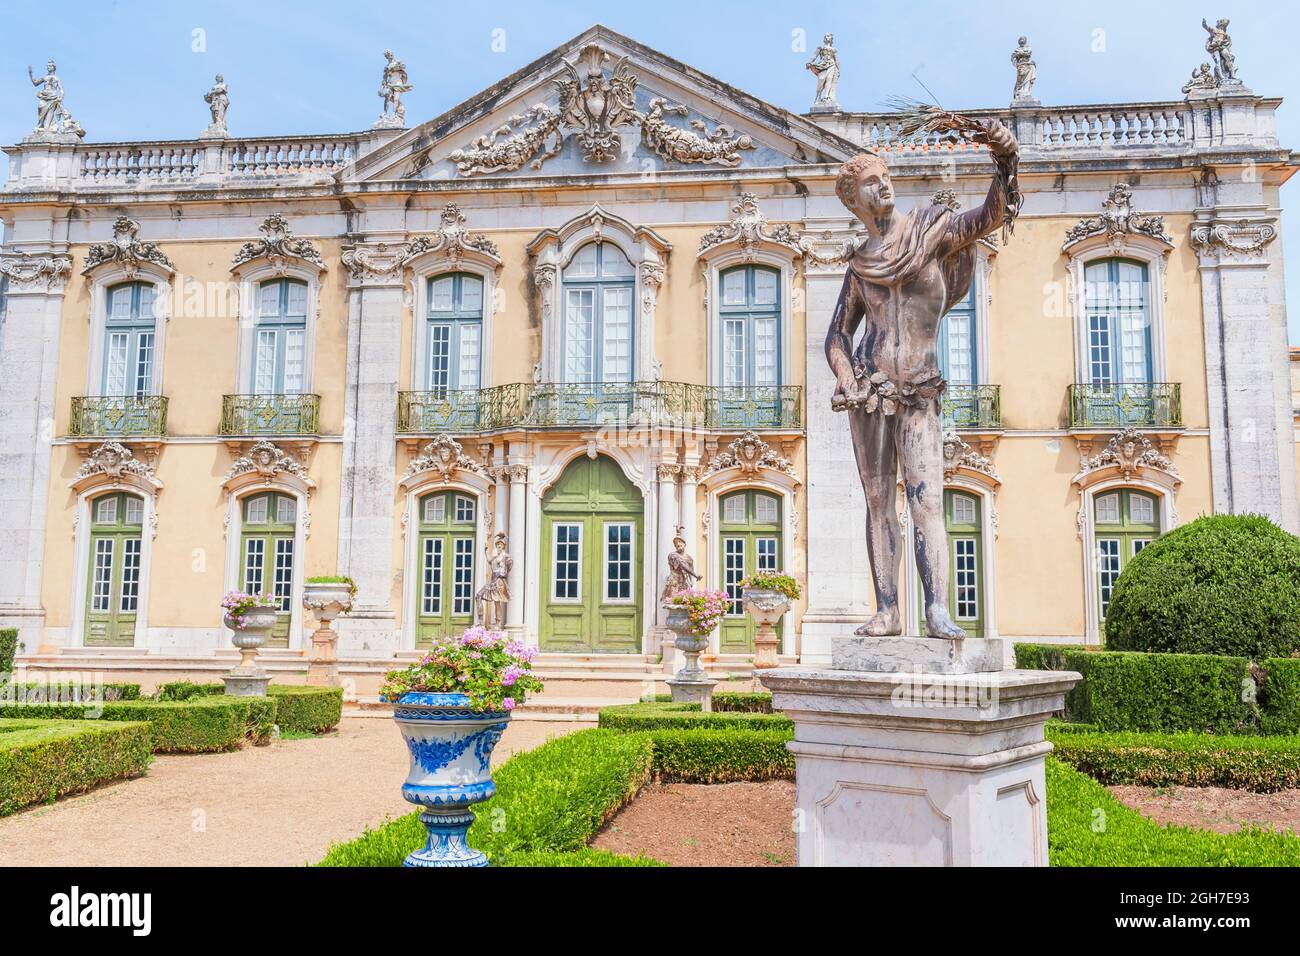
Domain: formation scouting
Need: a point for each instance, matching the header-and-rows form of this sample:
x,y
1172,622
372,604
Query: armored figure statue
x,y
395,82
825,65
908,271
1026,70
681,567
495,594
1219,46
218,100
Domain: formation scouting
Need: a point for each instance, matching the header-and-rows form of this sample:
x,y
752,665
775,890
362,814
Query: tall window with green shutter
x,y
454,333
129,331
749,540
446,551
1125,522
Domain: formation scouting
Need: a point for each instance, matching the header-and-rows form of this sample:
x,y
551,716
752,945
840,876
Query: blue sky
x,y
134,70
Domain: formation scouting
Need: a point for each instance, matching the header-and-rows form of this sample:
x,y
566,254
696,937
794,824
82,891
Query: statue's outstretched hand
x,y
999,139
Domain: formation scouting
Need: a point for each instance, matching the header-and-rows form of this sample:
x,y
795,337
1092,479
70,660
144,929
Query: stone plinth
x,y
692,691
917,655
913,769
250,684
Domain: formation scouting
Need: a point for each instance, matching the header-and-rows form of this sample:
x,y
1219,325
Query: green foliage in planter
x,y
33,692
1279,695
1158,692
722,756
41,760
8,649
1261,764
630,718
203,725
1087,826
1223,584
185,690
741,701
300,708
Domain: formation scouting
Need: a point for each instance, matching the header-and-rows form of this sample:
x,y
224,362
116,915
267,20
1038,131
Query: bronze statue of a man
x,y
902,278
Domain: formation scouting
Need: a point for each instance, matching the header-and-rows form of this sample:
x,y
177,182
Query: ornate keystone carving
x,y
751,455
453,239
749,229
444,456
278,245
958,455
126,250
1118,219
114,460
267,459
1131,452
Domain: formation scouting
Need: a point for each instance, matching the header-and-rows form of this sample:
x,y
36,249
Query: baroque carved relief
x,y
1118,219
1242,239
268,460
278,245
1130,452
444,457
126,250
720,148
751,455
453,239
36,273
749,229
115,461
957,455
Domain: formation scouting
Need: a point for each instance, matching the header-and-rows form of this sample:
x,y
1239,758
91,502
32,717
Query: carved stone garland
x,y
278,245
39,273
126,250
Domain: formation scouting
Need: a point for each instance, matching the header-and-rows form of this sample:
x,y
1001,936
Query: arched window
x,y
961,514
599,315
1124,522
280,341
267,555
129,332
750,311
445,601
113,594
454,339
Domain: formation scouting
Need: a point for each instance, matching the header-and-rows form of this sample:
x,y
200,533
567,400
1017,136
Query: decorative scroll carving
x,y
444,456
721,147
371,264
750,229
1130,451
1118,218
278,244
126,250
1242,239
39,273
114,460
957,455
453,238
491,154
750,454
267,459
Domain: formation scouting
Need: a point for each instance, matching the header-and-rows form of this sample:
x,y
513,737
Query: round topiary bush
x,y
1224,584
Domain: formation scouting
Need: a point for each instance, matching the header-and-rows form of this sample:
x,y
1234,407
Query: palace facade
x,y
583,310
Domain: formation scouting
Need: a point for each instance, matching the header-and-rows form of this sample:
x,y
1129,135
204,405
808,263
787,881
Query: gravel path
x,y
279,805
1214,808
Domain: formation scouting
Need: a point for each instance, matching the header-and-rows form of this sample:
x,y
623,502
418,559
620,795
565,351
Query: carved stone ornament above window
x,y
444,457
751,455
278,245
114,460
597,107
958,456
39,273
1118,219
268,460
126,250
1131,453
453,239
749,229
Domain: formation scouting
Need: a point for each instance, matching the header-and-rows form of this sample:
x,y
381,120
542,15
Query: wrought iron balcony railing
x,y
1156,404
599,404
270,414
972,406
118,416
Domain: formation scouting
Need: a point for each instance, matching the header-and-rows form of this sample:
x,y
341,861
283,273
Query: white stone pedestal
x,y
914,769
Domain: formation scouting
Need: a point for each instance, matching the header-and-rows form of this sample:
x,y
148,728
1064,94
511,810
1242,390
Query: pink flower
x,y
508,703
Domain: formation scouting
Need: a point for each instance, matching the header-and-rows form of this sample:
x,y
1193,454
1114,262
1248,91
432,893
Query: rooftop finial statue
x,y
908,271
1219,46
218,100
1022,57
394,83
825,65
52,117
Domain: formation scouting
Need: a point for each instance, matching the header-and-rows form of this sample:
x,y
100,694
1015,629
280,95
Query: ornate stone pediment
x,y
126,250
39,273
279,246
453,239
444,457
1117,221
114,460
751,455
1130,453
749,230
268,460
959,456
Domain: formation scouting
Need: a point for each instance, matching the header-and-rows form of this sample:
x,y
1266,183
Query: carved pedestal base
x,y
766,644
696,691
909,769
323,667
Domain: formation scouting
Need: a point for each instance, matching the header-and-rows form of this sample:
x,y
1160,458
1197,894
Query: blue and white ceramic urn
x,y
451,750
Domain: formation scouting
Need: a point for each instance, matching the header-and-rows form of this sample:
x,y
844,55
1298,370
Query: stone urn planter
x,y
249,632
690,685
766,608
451,750
326,600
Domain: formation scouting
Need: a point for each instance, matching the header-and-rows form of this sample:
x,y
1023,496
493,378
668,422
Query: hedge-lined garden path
x,y
278,805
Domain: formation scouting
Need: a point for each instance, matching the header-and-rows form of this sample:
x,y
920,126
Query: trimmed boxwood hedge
x,y
32,692
1261,764
1126,690
196,726
751,702
1223,584
300,708
661,715
8,649
41,760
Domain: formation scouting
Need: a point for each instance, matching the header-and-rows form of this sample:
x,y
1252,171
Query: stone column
x,y
925,760
29,355
370,461
666,474
517,531
835,511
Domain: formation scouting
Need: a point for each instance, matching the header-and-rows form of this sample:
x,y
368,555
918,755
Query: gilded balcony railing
x,y
118,416
972,406
270,414
461,410
1154,404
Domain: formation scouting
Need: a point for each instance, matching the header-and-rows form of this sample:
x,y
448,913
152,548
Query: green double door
x,y
445,556
592,551
750,541
113,591
267,556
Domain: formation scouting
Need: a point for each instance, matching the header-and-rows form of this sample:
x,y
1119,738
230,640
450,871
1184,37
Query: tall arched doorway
x,y
591,560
